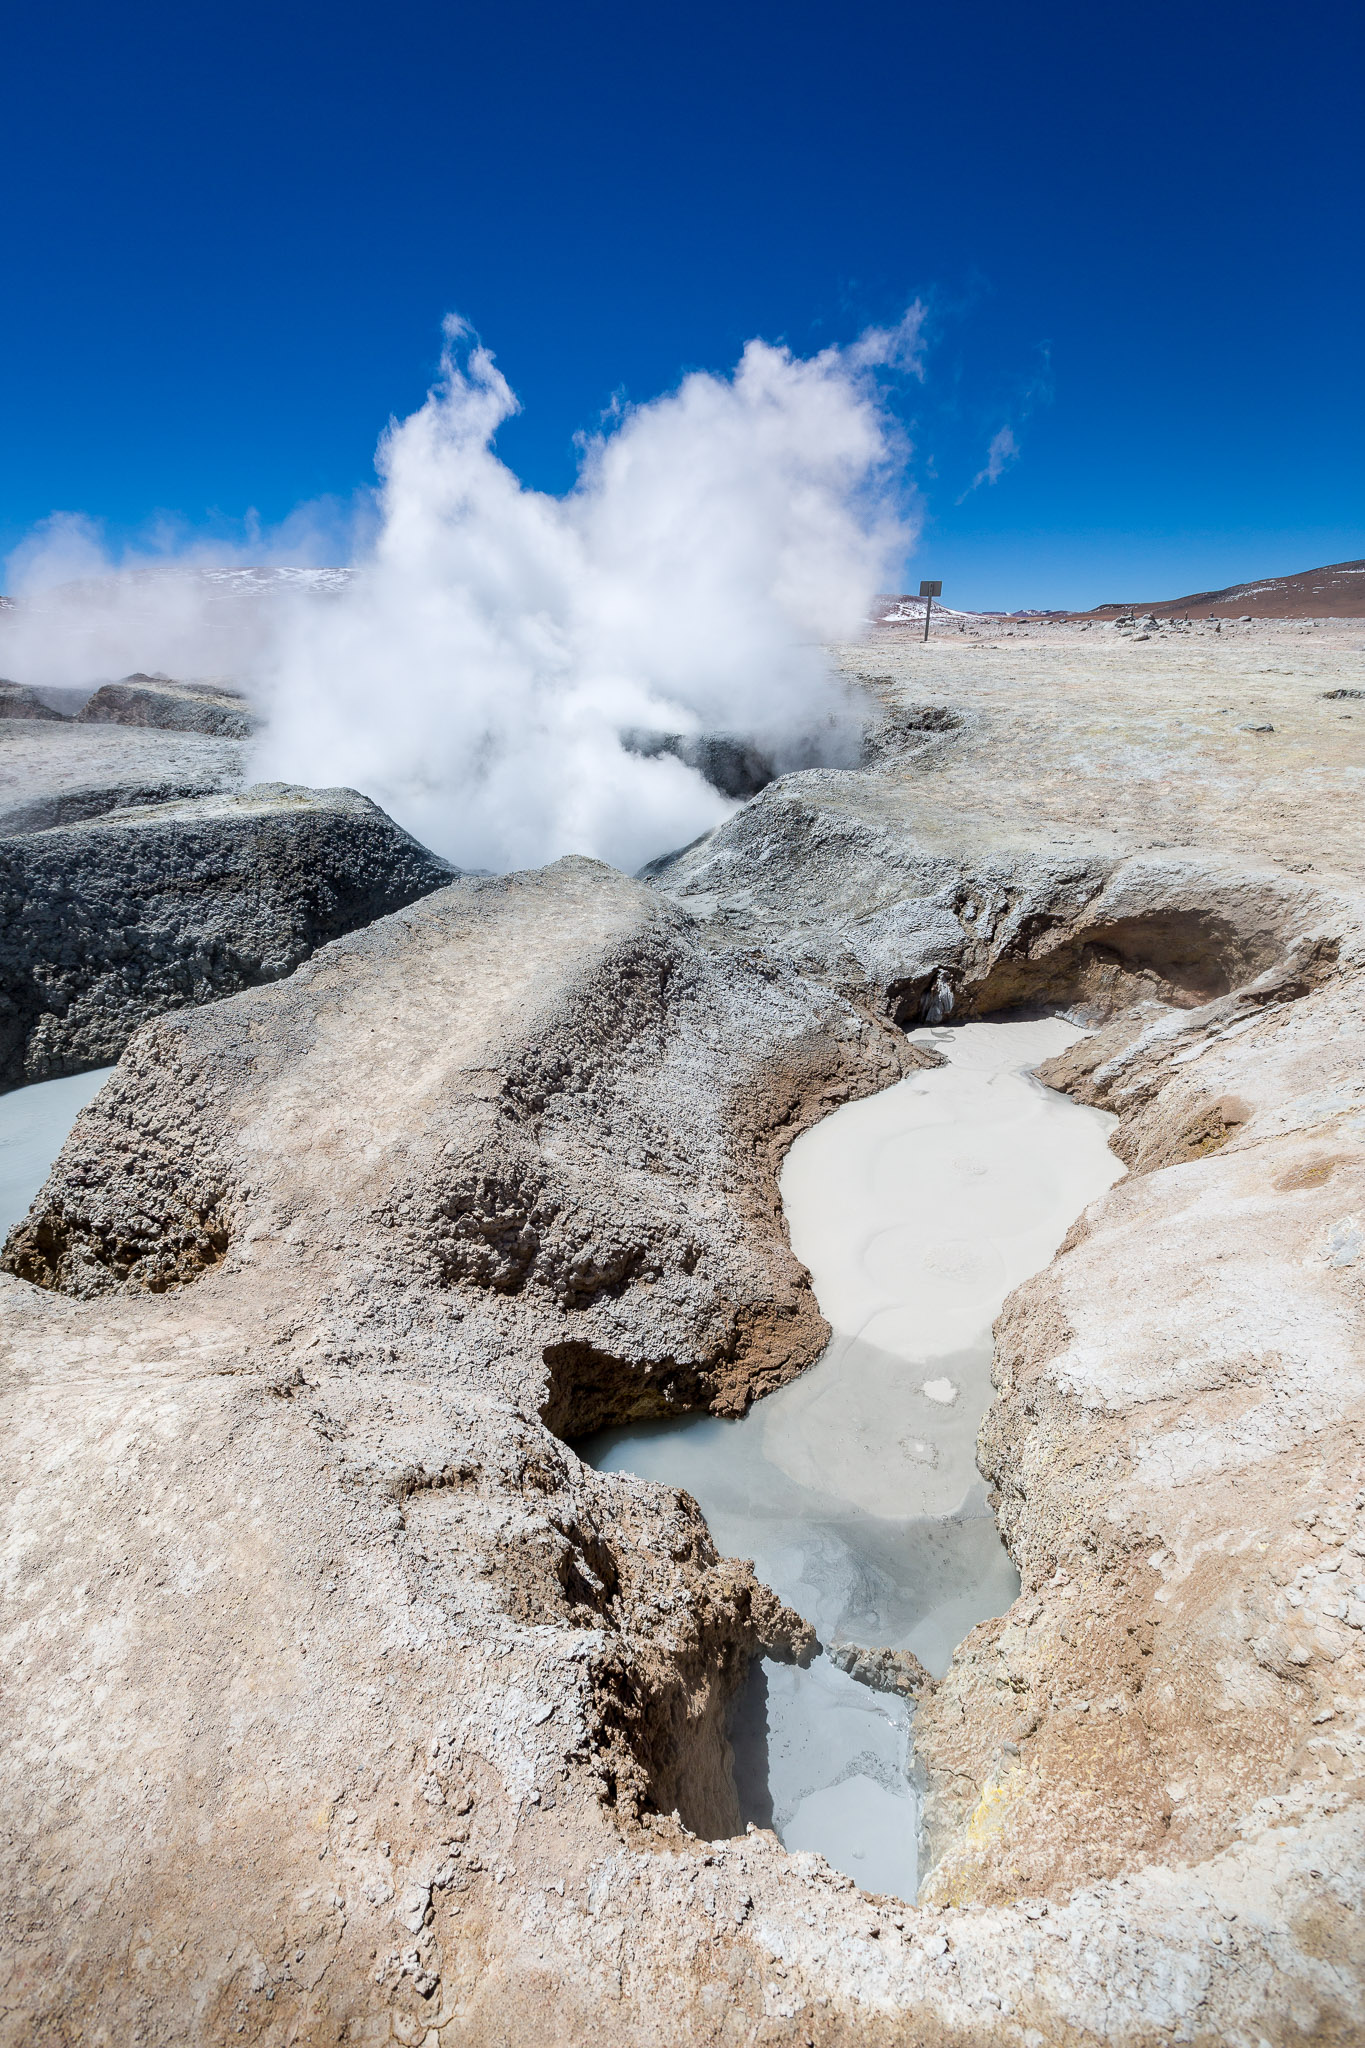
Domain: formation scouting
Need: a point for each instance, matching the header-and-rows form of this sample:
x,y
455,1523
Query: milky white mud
x,y
855,1488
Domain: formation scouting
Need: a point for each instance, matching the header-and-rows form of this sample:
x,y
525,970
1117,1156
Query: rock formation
x,y
174,707
58,771
108,922
897,1671
1181,1478
18,701
346,1704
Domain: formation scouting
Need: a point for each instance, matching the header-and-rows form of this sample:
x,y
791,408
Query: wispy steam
x,y
476,673
1004,450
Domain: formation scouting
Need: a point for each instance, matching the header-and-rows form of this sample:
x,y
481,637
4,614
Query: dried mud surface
x,y
345,1704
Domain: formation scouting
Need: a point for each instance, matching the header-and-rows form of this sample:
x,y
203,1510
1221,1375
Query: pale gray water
x,y
855,1488
34,1122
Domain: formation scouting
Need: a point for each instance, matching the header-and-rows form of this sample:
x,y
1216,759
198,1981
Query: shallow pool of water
x,y
34,1122
855,1489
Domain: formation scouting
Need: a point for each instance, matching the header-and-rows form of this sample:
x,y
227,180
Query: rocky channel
x,y
346,1703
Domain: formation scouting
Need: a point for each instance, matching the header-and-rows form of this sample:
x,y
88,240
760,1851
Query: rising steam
x,y
476,674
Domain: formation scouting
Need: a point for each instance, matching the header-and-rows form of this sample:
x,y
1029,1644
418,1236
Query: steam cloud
x,y
1004,450
476,674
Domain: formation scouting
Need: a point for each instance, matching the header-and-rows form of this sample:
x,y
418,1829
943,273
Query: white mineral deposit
x,y
855,1488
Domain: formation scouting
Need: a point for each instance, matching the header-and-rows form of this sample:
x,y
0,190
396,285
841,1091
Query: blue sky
x,y
230,234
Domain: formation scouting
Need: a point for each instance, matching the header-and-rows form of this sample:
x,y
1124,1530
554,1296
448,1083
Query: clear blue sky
x,y
230,233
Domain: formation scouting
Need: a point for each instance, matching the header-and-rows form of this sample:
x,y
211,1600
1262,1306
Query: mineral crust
x,y
344,1703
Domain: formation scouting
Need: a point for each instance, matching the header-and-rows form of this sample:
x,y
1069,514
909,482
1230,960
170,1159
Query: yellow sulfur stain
x,y
989,1816
956,1886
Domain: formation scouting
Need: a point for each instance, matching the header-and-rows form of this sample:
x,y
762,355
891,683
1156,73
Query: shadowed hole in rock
x,y
1184,960
735,766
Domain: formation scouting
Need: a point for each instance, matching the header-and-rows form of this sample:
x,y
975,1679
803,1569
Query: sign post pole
x,y
929,591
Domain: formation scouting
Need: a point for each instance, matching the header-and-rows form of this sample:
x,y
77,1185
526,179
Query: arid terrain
x,y
1336,590
344,1703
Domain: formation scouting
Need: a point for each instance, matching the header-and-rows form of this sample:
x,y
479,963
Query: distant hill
x,y
1336,592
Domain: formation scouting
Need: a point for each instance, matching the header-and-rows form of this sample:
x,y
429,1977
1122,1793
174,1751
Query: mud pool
x,y
34,1122
855,1489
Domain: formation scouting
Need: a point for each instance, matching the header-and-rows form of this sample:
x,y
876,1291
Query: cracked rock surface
x,y
346,1704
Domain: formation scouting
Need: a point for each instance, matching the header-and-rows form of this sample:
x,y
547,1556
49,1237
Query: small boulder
x,y
898,1671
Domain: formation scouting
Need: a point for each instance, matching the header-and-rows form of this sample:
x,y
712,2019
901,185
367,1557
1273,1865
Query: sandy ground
x,y
1118,741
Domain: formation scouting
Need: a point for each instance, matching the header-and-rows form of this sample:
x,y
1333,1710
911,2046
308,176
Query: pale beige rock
x,y
346,1705
1179,1447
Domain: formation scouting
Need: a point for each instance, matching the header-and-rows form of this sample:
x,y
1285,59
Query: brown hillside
x,y
1334,592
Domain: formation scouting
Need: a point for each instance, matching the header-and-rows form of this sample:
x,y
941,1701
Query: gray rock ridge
x,y
61,772
107,922
160,701
861,880
18,701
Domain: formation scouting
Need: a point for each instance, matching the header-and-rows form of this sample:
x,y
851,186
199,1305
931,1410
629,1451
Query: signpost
x,y
929,591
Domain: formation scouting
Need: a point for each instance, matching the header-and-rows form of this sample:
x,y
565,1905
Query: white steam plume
x,y
477,678
476,674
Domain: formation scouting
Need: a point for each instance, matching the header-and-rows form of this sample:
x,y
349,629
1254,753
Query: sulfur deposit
x,y
344,1703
